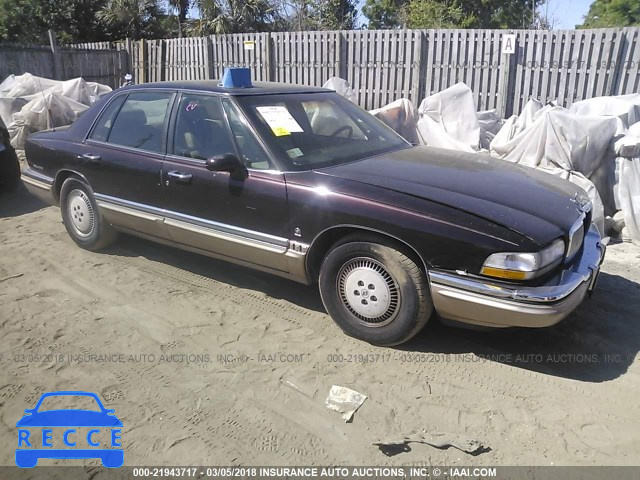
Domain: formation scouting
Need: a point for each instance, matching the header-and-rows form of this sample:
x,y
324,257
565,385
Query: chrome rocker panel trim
x,y
481,302
265,252
39,185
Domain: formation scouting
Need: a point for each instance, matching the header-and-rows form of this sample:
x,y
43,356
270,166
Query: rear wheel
x,y
82,218
375,292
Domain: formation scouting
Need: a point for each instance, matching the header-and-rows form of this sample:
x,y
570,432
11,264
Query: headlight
x,y
523,266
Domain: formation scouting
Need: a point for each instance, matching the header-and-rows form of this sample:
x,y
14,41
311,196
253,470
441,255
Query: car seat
x,y
199,136
130,129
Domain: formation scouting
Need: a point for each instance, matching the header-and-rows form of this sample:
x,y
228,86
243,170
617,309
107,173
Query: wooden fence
x,y
105,66
384,65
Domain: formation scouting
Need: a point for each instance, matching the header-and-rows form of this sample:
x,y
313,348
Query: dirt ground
x,y
199,359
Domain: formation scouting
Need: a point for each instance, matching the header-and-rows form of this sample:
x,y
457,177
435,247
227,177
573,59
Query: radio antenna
x,y
46,105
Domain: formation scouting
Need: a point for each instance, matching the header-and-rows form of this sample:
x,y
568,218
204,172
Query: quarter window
x,y
140,122
201,131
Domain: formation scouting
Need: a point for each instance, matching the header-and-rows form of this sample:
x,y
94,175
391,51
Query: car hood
x,y
69,418
535,204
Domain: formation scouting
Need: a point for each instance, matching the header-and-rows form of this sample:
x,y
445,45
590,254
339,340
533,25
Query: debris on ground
x,y
345,401
393,446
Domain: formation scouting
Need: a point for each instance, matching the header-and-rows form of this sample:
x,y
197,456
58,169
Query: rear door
x,y
123,156
242,219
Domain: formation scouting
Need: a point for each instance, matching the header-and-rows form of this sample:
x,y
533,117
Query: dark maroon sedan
x,y
301,183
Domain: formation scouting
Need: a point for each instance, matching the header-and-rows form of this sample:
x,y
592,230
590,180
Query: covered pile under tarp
x,y
29,103
594,144
400,116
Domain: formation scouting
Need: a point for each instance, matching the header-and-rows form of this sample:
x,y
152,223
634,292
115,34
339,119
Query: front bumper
x,y
480,301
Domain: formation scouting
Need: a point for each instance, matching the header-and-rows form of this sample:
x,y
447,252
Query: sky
x,y
568,13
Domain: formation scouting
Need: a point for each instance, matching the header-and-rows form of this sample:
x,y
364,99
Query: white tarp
x,y
29,103
490,124
341,87
625,107
448,119
629,196
401,117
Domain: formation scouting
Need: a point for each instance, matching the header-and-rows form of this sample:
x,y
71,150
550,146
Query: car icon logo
x,y
69,433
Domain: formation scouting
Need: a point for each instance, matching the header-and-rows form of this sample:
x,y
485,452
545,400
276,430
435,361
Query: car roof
x,y
259,88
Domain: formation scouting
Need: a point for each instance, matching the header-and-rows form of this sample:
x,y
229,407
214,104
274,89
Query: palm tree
x,y
182,6
131,15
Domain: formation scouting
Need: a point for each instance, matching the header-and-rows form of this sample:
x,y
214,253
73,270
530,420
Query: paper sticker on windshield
x,y
295,153
280,120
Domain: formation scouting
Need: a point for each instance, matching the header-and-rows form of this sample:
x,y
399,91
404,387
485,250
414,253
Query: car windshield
x,y
65,402
315,130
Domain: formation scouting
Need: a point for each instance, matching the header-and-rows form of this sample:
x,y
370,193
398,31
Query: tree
x,y
234,16
133,18
434,14
460,13
612,13
182,7
383,13
333,15
27,21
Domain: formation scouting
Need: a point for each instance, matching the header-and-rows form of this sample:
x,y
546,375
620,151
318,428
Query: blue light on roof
x,y
236,78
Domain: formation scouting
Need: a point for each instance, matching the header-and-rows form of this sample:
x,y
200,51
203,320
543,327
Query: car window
x,y
105,122
140,121
325,118
201,130
64,402
251,152
316,130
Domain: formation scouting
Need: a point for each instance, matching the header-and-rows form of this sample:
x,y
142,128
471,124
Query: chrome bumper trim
x,y
480,301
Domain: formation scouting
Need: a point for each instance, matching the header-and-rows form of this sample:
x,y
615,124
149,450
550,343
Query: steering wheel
x,y
345,127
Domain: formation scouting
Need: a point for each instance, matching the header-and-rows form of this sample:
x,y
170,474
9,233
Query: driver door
x,y
246,220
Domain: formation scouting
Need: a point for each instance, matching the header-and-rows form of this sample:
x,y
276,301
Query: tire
x,y
82,218
388,318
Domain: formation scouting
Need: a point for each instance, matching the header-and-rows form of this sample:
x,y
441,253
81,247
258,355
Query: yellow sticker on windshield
x,y
280,131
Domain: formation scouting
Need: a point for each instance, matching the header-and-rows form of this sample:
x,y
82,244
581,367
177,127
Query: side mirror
x,y
227,162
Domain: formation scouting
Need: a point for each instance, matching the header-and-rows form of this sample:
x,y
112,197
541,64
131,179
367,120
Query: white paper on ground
x,y
345,401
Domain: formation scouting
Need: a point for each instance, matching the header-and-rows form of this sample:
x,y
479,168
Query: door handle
x,y
91,157
180,177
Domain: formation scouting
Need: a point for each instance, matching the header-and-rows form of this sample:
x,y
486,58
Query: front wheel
x,y
82,218
375,293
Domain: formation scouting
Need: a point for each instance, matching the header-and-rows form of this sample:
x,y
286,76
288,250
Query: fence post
x,y
142,77
340,68
58,67
419,81
266,54
208,57
504,80
127,47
